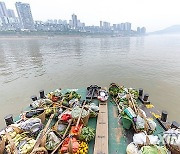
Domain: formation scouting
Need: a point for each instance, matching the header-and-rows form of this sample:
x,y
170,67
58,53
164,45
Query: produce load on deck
x,y
135,121
65,122
54,123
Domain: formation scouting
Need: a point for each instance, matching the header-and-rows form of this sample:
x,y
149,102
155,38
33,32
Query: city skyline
x,y
24,22
23,15
154,15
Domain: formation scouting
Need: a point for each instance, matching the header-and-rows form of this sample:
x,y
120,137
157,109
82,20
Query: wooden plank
x,y
101,140
42,135
13,147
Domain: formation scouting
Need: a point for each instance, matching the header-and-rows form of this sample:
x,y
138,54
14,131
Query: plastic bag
x,y
132,149
152,124
140,139
153,150
140,123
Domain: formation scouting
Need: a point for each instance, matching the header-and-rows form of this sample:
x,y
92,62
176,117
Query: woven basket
x,y
42,116
84,120
173,148
17,130
40,149
55,127
44,140
2,145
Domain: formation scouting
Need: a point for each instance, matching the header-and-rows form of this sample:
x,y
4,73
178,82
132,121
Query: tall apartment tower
x,y
101,24
11,13
25,16
3,10
74,21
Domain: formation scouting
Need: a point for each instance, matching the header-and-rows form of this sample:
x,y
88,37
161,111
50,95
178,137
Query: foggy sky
x,y
153,14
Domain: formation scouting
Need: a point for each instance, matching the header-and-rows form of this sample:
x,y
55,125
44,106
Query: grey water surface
x,y
30,64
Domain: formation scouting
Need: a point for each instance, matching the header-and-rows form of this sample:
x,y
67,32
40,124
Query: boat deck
x,y
118,137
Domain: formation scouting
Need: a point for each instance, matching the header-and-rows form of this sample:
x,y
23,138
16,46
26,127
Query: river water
x,y
30,64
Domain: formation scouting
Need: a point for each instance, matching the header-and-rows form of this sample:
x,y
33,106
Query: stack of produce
x,y
42,137
51,141
72,95
130,112
132,115
172,140
23,143
70,144
55,95
83,148
87,134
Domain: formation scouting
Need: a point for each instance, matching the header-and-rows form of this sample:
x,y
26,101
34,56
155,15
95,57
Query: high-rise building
x,y
138,30
11,13
101,24
122,26
127,26
3,10
25,15
74,21
143,30
106,25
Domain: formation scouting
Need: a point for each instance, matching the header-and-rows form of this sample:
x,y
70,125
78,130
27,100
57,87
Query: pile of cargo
x,y
54,123
62,122
133,118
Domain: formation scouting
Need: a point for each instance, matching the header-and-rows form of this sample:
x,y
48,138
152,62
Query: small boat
x,y
88,120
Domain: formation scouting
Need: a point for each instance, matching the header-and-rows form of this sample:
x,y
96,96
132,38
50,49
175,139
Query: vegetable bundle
x,y
87,134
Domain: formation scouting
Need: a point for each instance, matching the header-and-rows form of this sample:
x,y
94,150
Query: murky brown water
x,y
30,64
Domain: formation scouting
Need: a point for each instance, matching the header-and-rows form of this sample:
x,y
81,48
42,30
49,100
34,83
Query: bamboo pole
x,y
12,144
80,114
62,137
38,141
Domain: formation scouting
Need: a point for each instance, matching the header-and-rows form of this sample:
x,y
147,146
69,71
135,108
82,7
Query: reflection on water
x,y
30,64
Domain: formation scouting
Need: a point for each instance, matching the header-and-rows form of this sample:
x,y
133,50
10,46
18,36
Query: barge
x,y
88,120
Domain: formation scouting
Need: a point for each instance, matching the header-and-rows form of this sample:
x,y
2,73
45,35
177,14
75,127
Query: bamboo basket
x,y
42,116
40,149
173,148
44,139
146,144
76,135
55,127
2,145
84,120
64,112
17,130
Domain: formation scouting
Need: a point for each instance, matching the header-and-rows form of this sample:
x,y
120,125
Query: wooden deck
x,y
101,140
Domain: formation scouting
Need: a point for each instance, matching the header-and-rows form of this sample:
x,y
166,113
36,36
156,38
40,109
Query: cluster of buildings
x,y
8,20
25,22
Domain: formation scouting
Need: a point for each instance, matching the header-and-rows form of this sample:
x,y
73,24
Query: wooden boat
x,y
116,138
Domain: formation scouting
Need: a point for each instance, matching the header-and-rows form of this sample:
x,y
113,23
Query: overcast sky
x,y
153,14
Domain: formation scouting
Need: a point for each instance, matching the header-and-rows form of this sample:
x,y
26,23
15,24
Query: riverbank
x,y
55,34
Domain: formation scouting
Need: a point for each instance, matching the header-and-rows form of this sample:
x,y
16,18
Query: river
x,y
28,65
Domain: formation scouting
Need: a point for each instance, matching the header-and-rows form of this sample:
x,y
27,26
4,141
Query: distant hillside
x,y
175,29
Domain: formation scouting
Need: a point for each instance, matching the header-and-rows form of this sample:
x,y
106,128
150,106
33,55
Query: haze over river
x,y
28,65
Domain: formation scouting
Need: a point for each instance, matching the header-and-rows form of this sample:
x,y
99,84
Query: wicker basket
x,y
17,130
44,140
40,149
173,148
2,145
42,116
55,127
84,120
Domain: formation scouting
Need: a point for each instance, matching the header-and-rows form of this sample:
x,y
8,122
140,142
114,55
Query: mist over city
x,y
25,22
